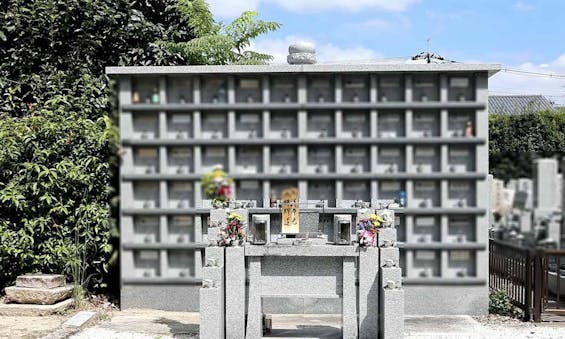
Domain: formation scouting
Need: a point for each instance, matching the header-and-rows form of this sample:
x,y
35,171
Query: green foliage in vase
x,y
216,43
516,140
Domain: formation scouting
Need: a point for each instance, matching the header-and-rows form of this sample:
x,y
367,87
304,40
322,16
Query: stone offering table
x,y
323,271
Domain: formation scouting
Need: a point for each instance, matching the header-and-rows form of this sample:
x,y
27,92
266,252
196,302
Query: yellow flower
x,y
235,216
376,219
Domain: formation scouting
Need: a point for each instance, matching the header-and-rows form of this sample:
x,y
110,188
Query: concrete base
x,y
183,298
446,300
35,310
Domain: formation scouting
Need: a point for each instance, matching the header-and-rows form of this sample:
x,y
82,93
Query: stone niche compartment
x,y
146,263
390,189
355,124
145,126
320,89
321,160
355,88
391,88
461,229
180,229
143,87
283,89
214,125
401,228
322,190
461,159
250,190
391,124
248,126
277,186
146,160
145,194
461,193
180,264
180,160
457,123
320,125
248,89
283,125
249,159
460,88
460,264
356,190
179,125
426,264
425,124
355,159
179,89
427,194
427,159
214,89
181,194
425,88
426,229
284,160
213,156
391,159
146,230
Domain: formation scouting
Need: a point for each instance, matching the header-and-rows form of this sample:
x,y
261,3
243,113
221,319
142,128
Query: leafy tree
x,y
218,44
516,140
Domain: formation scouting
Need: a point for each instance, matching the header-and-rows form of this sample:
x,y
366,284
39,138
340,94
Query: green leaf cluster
x,y
516,140
499,303
216,43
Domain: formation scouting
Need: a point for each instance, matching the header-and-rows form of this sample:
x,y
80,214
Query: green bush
x,y
54,190
516,140
499,303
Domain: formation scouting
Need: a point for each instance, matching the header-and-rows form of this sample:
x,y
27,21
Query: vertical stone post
x,y
368,292
212,295
254,328
235,292
349,299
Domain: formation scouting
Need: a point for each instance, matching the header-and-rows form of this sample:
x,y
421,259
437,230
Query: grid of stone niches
x,y
426,237
162,246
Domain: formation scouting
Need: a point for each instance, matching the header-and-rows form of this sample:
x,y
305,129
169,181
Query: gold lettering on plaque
x,y
290,211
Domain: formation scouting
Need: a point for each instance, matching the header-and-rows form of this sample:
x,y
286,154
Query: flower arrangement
x,y
217,186
234,230
367,229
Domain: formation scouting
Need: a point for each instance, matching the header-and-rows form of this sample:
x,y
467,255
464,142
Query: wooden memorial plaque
x,y
290,211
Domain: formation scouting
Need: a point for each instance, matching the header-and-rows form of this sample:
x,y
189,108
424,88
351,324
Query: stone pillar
x,y
212,304
349,299
368,292
235,292
392,308
254,328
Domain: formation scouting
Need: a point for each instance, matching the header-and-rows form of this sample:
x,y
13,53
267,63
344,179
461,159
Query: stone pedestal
x,y
349,309
212,298
39,289
254,314
392,310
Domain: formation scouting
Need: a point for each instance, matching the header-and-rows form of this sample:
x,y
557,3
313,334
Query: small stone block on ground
x,y
30,310
80,320
39,296
40,280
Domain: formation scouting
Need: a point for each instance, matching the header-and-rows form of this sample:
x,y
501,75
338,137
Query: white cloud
x,y
278,48
552,87
231,8
351,5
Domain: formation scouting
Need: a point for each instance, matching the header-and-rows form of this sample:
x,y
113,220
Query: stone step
x,y
38,296
30,310
40,280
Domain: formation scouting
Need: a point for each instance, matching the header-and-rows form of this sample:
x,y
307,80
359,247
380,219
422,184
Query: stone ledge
x,y
35,310
40,280
39,296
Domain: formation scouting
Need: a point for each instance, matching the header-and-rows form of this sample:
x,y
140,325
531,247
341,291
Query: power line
x,y
533,74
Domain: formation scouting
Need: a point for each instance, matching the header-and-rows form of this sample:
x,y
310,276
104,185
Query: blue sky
x,y
519,34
